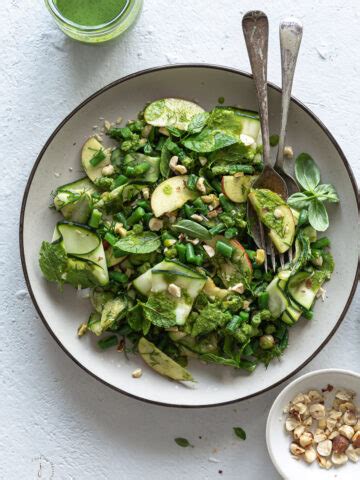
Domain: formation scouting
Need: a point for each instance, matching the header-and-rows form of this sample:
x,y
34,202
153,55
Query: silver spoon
x,y
290,39
256,32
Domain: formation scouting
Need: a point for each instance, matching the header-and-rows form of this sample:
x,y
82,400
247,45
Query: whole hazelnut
x,y
340,444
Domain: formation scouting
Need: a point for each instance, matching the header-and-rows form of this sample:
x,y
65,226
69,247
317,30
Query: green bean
x,y
147,217
216,184
224,249
181,250
248,350
233,324
141,168
263,300
200,205
220,227
118,277
198,260
226,204
136,216
188,210
130,171
144,204
120,217
191,182
120,180
110,238
97,158
190,253
95,218
108,342
244,316
232,169
167,236
321,243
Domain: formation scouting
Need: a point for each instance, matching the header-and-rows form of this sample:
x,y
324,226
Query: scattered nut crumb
x,y
137,373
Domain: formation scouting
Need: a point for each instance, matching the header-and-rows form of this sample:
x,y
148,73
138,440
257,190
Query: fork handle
x,y
290,32
256,32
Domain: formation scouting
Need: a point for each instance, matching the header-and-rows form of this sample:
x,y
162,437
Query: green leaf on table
x,y
141,243
326,193
182,442
307,172
239,432
318,217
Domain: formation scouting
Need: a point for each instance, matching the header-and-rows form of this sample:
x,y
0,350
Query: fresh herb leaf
x,y
299,200
53,261
307,172
318,217
209,140
182,442
326,193
239,432
165,159
192,229
198,122
145,242
160,309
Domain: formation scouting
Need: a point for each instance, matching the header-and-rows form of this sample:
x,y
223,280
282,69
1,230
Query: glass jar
x,y
98,33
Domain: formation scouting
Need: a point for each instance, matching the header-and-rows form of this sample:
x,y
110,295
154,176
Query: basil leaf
x,y
318,217
307,172
298,200
239,432
326,193
198,122
209,140
182,442
145,242
192,229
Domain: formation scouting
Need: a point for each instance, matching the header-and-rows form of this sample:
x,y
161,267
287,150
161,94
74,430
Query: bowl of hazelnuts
x,y
313,427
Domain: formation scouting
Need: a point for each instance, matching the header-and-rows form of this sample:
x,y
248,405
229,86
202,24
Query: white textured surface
x,y
56,421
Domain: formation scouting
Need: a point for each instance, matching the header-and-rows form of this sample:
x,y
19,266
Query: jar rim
x,y
85,28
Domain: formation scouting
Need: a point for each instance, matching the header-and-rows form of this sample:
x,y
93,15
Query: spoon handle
x,y
290,38
256,32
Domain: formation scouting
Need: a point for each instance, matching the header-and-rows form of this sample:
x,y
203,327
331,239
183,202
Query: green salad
x,y
156,235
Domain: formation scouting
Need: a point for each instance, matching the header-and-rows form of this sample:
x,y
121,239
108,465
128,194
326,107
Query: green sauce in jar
x,y
90,12
94,21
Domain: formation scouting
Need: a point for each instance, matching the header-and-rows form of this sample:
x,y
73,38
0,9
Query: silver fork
x,y
290,32
256,32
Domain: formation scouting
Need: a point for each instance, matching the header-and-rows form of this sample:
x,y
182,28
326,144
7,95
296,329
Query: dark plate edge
x,y
89,99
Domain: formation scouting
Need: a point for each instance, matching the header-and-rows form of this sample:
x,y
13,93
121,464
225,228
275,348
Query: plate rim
x,y
107,87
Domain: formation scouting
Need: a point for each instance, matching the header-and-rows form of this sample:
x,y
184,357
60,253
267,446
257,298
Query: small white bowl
x,y
278,440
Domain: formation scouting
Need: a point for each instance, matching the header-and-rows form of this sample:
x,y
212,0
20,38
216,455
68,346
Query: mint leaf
x,y
318,217
307,172
145,242
239,432
326,193
160,309
198,122
298,200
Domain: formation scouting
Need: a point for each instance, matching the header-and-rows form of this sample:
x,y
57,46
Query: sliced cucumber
x,y
113,310
302,289
90,148
152,175
171,112
171,195
74,200
161,363
278,301
77,239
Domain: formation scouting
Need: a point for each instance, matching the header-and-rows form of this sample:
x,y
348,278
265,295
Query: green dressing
x,y
91,12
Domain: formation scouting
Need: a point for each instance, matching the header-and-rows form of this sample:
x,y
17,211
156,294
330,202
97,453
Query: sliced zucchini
x,y
278,301
94,324
152,175
171,112
99,297
143,283
291,314
303,287
171,195
161,363
276,215
91,147
74,200
237,188
113,310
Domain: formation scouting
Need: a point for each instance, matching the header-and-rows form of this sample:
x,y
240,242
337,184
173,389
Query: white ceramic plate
x,y
63,312
278,440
